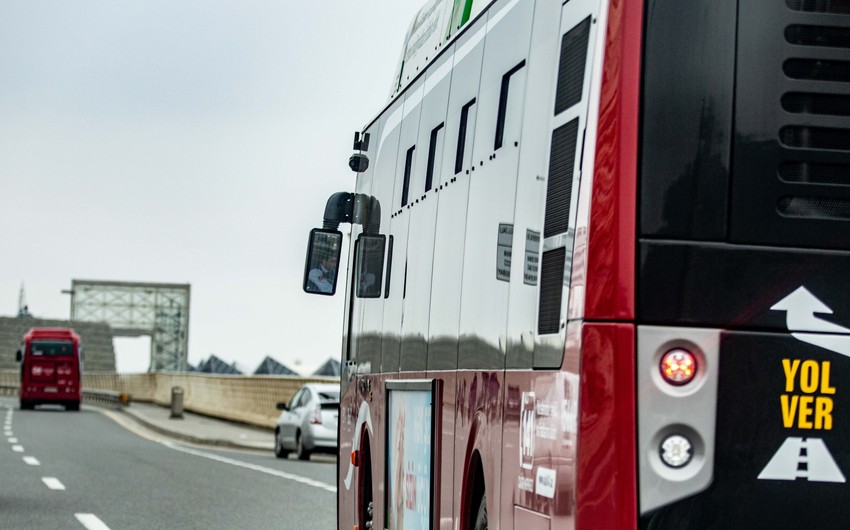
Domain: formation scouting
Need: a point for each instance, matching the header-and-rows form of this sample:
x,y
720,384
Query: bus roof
x,y
437,24
52,333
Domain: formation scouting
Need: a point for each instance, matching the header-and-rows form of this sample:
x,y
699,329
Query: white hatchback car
x,y
308,424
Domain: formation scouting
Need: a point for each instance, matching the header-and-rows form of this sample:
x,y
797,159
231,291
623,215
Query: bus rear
x,y
741,262
51,368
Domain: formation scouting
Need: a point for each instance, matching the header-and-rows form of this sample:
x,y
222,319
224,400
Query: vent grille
x,y
814,208
815,138
571,66
821,178
793,189
560,186
808,103
841,7
827,37
812,173
551,291
817,70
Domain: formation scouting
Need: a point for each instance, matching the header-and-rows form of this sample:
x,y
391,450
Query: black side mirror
x,y
18,356
281,406
369,261
321,269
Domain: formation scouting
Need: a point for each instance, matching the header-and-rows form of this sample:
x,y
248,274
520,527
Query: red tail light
x,y
678,367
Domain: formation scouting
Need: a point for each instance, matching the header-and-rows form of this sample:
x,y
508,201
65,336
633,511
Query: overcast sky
x,y
191,141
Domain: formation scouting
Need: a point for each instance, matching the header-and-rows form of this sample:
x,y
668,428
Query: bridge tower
x,y
134,309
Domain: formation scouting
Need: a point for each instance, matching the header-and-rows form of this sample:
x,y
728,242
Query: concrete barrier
x,y
247,399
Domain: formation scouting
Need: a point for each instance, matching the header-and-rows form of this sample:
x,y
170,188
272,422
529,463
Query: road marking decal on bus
x,y
806,458
801,306
362,417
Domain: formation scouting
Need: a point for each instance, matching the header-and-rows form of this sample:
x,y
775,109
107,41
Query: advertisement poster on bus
x,y
409,456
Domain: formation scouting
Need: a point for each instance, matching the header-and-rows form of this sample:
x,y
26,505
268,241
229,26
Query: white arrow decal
x,y
800,307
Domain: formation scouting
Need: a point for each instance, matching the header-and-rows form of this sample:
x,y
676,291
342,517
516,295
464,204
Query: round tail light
x,y
678,367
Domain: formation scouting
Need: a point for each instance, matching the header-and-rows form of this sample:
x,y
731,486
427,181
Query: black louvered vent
x,y
571,66
560,186
791,175
820,6
806,172
815,208
551,291
804,137
808,103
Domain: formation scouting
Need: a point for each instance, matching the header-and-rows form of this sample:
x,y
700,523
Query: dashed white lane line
x,y
53,483
90,521
18,448
253,467
13,440
31,460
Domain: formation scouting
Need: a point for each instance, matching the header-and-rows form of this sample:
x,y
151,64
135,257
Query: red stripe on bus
x,y
610,274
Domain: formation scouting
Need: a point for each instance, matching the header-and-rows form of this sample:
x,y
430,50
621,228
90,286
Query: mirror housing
x,y
322,267
281,406
18,356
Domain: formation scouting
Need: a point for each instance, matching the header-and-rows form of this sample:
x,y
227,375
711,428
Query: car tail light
x,y
678,367
316,415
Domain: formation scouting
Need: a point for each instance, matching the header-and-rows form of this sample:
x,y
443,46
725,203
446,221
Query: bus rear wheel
x,y
481,517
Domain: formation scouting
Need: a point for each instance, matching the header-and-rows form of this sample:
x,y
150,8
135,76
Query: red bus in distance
x,y
51,368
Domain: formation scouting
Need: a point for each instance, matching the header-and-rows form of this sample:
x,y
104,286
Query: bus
x,y
596,272
51,368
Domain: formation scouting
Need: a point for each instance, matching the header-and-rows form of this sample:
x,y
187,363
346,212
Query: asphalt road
x,y
88,470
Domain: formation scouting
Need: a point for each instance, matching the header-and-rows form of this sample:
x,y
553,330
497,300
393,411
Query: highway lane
x,y
103,473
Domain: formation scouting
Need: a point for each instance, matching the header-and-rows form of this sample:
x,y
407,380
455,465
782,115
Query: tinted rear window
x,y
51,348
328,397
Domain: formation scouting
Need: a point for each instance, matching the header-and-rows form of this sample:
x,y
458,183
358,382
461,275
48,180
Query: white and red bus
x,y
51,368
598,272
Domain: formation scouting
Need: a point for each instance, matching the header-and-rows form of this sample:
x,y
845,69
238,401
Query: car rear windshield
x,y
329,397
51,348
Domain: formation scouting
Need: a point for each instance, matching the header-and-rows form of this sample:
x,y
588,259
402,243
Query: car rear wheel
x,y
300,451
26,405
279,451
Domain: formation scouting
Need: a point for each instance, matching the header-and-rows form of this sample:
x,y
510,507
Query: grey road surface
x,y
84,470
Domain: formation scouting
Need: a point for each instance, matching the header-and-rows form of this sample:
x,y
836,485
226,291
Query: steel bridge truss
x,y
132,309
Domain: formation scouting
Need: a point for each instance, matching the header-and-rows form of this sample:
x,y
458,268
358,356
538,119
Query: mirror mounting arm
x,y
354,208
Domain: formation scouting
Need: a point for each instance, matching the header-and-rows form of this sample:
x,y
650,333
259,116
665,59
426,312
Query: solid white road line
x,y
130,426
53,483
18,448
31,460
90,521
253,467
